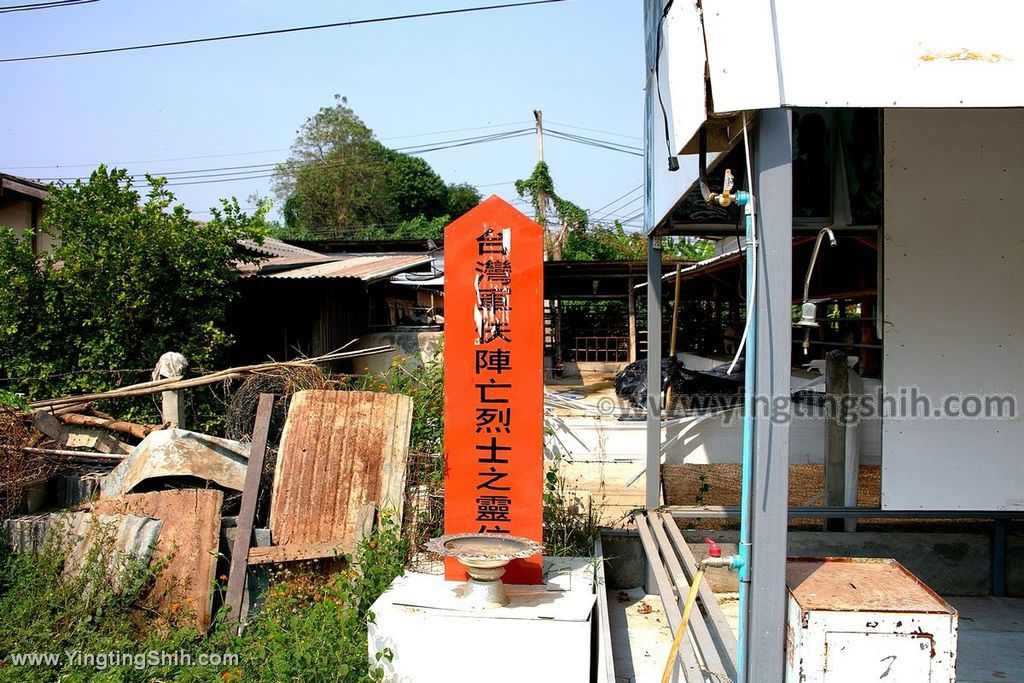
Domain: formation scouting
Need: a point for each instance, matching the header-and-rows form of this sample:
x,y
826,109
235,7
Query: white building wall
x,y
954,304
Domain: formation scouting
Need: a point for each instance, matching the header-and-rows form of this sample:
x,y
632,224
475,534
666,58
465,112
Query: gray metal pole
x,y
774,205
653,498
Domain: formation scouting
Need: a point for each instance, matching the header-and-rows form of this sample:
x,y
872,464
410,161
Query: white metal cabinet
x,y
860,620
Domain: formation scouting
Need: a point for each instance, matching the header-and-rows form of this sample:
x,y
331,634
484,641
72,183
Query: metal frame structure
x,y
772,171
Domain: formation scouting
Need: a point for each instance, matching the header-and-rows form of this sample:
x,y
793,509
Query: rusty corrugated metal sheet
x,y
278,256
368,268
339,451
189,542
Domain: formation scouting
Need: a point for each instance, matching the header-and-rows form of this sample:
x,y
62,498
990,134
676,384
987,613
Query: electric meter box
x,y
854,620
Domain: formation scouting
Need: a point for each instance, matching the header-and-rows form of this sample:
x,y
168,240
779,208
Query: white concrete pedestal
x,y
544,634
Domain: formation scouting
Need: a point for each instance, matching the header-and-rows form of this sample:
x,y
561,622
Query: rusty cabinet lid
x,y
846,584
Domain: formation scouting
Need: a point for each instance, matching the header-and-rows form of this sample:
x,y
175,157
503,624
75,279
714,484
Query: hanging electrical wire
x,y
593,142
278,31
53,4
620,197
257,171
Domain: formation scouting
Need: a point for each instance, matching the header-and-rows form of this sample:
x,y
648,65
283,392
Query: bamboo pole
x,y
173,383
675,332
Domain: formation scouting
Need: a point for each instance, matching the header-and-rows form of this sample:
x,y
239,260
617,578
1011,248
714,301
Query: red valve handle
x,y
713,549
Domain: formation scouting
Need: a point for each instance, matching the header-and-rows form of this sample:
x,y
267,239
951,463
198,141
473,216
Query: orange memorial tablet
x,y
493,379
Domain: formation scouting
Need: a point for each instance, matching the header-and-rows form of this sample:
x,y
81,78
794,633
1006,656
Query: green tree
x,y
132,278
340,180
418,228
541,190
461,198
335,176
613,243
413,188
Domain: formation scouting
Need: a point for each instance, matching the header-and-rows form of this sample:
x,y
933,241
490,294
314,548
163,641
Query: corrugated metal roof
x,y
277,248
365,267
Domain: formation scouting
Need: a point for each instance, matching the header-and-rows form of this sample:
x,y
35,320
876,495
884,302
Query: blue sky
x,y
581,62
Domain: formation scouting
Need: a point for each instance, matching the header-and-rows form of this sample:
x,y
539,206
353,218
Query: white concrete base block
x,y
544,634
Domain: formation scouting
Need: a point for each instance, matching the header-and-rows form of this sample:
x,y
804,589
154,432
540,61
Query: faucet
x,y
808,310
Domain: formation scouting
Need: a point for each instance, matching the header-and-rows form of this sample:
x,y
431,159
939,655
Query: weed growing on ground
x,y
570,524
311,628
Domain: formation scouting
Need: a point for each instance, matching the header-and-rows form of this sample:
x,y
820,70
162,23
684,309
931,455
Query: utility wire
x,y
622,207
258,151
615,147
620,197
54,4
596,130
279,31
412,149
247,169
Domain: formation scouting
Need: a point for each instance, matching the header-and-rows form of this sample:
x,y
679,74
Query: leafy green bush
x,y
570,524
131,278
312,629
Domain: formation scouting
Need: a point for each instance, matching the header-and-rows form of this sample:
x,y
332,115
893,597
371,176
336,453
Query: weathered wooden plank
x,y
247,511
295,551
720,630
605,655
78,437
836,389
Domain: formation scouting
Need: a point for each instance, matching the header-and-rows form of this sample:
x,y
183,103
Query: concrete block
x,y
948,563
624,563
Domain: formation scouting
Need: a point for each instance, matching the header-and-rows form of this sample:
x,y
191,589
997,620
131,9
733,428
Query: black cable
x,y
243,170
617,211
620,197
279,31
584,138
657,86
53,4
555,134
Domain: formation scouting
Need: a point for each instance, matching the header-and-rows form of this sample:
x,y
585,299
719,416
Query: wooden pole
x,y
675,331
130,428
542,199
247,511
836,389
631,303
675,314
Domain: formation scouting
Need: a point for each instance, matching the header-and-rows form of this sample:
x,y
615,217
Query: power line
x,y
255,152
622,207
598,130
584,138
53,4
279,31
247,169
604,144
622,196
